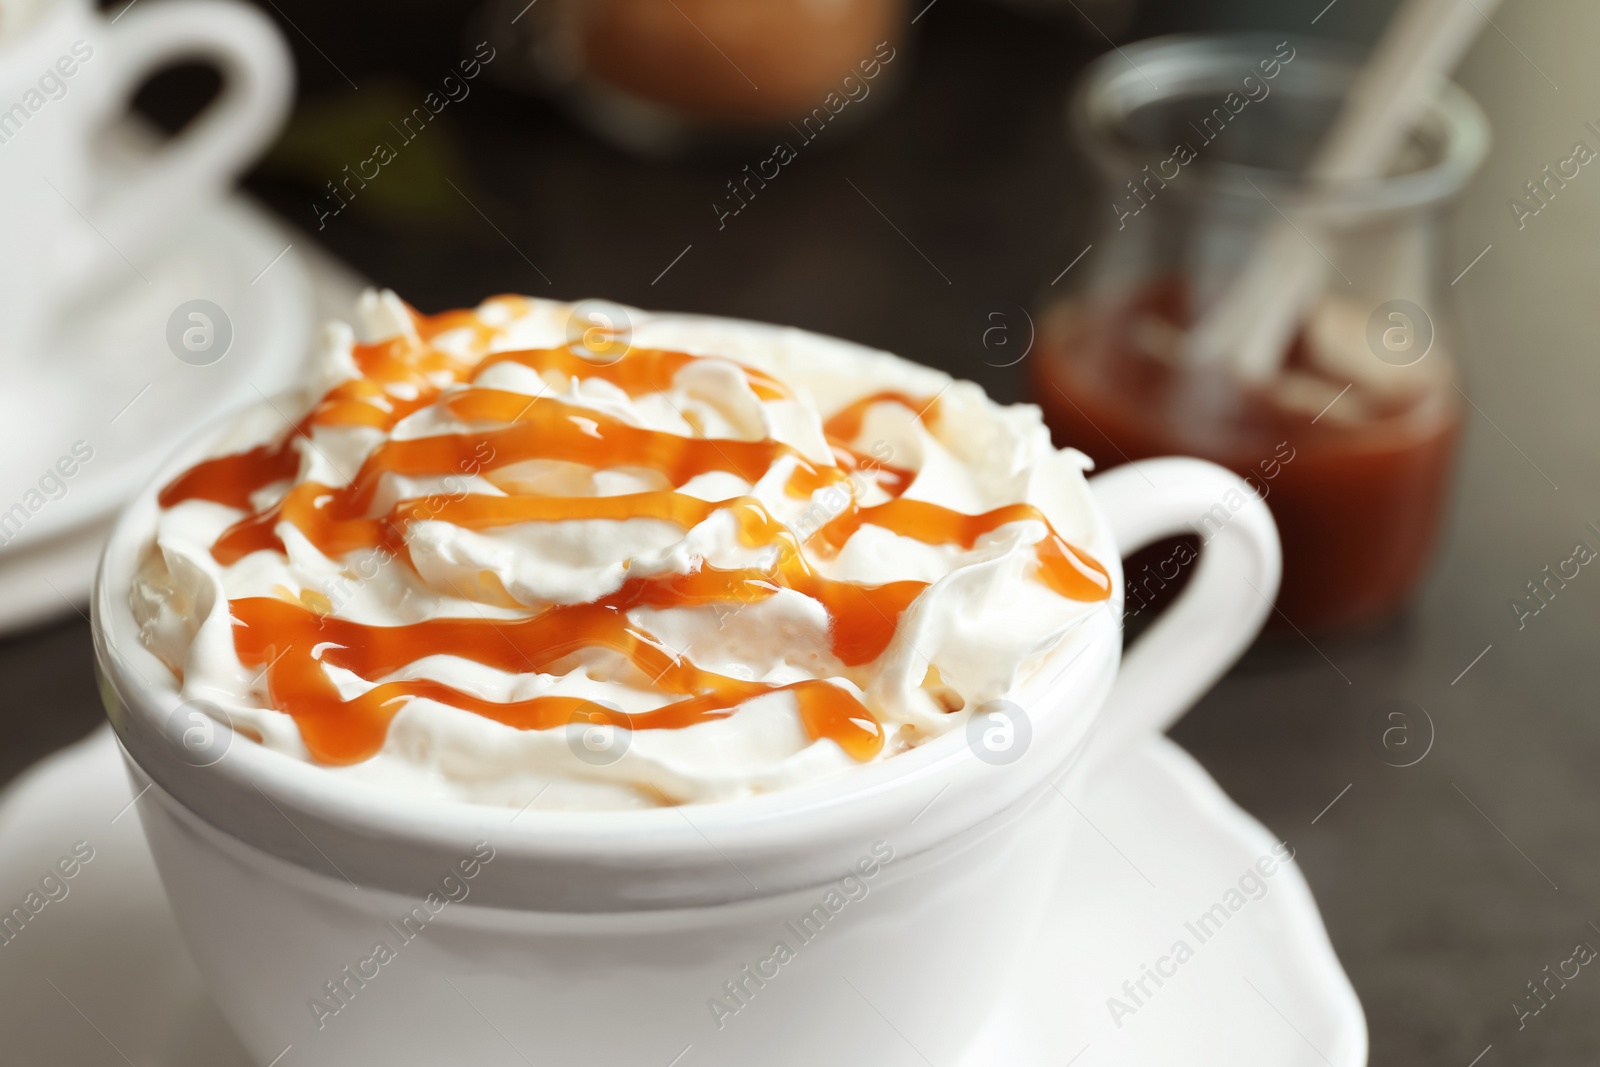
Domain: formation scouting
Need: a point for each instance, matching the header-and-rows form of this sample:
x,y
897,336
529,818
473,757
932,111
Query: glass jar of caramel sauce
x,y
1350,433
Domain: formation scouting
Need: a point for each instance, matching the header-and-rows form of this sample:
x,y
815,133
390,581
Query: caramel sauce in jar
x,y
1357,480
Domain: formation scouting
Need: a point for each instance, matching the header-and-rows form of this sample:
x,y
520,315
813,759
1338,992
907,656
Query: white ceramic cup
x,y
903,891
75,223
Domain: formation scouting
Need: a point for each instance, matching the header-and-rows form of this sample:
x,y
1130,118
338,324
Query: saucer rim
x,y
286,292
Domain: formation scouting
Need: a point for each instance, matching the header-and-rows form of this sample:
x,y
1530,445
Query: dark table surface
x,y
1447,885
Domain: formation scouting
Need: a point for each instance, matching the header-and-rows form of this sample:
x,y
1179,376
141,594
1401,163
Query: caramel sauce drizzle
x,y
295,644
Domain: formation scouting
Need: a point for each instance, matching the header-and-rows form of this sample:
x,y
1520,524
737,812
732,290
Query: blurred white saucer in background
x,y
114,390
104,967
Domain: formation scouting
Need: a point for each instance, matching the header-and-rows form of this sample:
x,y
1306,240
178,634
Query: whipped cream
x,y
464,488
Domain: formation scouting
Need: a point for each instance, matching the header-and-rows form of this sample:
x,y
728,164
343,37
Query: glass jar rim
x,y
1119,83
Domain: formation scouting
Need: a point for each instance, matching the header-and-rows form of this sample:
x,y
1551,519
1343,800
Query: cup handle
x,y
1213,621
134,212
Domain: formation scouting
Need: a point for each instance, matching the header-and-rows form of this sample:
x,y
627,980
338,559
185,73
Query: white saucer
x,y
1160,844
113,383
104,967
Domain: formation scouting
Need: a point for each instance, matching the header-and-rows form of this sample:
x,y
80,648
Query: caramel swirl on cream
x,y
752,557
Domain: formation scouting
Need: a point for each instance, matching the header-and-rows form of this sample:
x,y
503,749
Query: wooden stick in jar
x,y
1253,324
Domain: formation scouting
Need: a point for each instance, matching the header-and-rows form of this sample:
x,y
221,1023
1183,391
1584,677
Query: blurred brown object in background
x,y
660,75
779,59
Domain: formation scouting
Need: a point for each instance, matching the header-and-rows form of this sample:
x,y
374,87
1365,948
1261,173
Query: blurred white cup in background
x,y
76,223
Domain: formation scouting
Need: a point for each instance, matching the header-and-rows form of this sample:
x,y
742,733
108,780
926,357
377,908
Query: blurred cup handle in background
x,y
76,222
257,80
